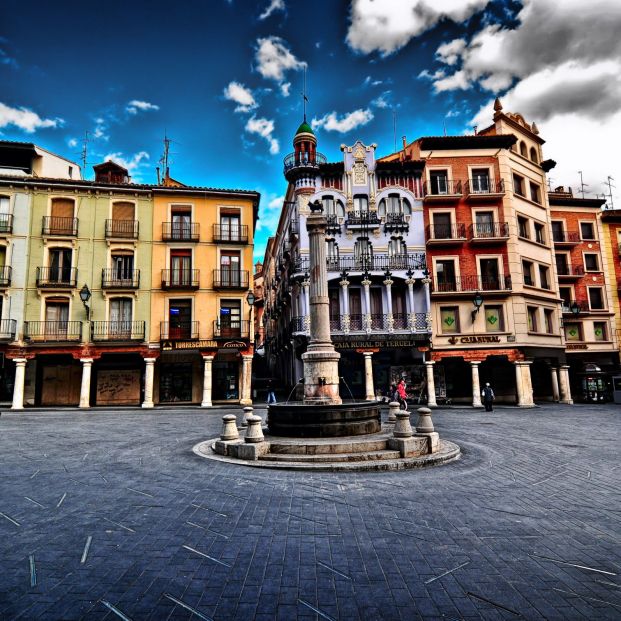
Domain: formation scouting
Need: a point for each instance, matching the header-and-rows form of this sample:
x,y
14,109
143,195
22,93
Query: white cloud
x,y
388,25
241,95
273,59
458,80
269,213
284,89
133,163
136,105
264,128
274,5
5,59
101,127
331,123
369,81
72,142
25,119
382,100
451,51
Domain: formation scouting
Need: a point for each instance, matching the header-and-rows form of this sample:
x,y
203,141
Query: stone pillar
x,y
345,319
476,385
18,386
207,381
246,380
149,374
411,311
305,290
563,374
85,387
366,319
368,376
390,320
431,385
524,384
426,283
554,377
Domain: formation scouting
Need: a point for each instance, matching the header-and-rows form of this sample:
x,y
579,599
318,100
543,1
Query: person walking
x,y
271,397
401,391
488,397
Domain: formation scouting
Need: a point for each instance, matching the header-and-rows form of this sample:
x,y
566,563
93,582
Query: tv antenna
x,y
610,185
84,152
304,97
582,184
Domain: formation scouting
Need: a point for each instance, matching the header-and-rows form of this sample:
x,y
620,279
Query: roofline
x,y
56,155
560,201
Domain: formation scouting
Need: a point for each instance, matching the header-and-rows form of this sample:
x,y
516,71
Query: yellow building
x,y
201,335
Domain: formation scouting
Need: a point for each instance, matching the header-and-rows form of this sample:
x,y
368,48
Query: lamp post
x,y
478,302
85,296
250,299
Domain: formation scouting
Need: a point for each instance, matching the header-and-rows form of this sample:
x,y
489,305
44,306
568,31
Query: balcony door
x,y
484,224
4,214
439,181
562,264
230,263
230,319
180,320
181,223
60,265
123,217
56,319
355,309
122,266
399,312
120,317
490,274
377,317
180,268
445,275
363,254
480,181
230,226
442,225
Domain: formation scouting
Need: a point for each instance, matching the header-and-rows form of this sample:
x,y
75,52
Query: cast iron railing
x,y
483,187
446,231
117,330
6,222
230,279
487,230
8,329
442,188
53,331
180,279
376,262
60,277
233,329
472,283
53,225
6,272
113,278
362,218
304,160
124,229
179,330
572,271
180,231
230,233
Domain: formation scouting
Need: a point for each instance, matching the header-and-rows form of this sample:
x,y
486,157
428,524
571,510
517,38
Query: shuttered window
x,y
123,211
62,208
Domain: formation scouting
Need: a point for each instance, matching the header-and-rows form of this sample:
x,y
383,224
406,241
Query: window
x,y
596,298
490,274
394,205
230,264
540,237
494,319
397,253
523,149
230,229
59,265
527,271
332,207
335,313
439,181
600,330
361,203
442,228
535,193
445,275
181,267
586,230
591,262
532,318
573,331
181,222
544,277
533,155
56,318
230,318
562,264
122,266
449,319
484,224
480,181
518,185
558,232
523,227
363,253
548,315
4,215
120,317
332,253
566,296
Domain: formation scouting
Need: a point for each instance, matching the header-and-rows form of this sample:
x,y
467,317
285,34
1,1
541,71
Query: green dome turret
x,y
305,128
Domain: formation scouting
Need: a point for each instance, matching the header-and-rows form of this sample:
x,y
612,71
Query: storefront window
x,y
449,318
494,319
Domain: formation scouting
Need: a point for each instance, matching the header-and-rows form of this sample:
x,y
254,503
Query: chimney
x,y
404,141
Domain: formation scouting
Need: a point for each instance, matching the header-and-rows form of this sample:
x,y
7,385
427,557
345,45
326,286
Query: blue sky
x,y
223,80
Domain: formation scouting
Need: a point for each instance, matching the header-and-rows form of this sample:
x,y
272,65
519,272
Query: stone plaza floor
x,y
110,515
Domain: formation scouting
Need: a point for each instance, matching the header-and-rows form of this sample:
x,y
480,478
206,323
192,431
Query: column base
x,y
206,404
478,406
526,406
84,407
245,402
567,401
21,407
148,406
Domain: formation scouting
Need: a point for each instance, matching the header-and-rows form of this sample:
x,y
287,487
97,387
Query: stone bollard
x,y
254,432
393,408
403,428
229,427
247,414
424,423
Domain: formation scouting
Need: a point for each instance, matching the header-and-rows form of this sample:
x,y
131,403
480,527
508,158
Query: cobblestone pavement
x,y
110,515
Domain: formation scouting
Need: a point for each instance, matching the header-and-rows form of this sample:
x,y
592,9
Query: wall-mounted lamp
x,y
85,296
249,298
574,307
478,302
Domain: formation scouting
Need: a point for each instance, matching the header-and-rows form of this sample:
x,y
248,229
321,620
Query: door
x,y
230,319
442,226
176,382
399,313
335,313
60,266
180,268
445,274
61,384
562,264
120,318
180,320
439,181
181,224
225,380
123,267
123,216
355,309
229,227
480,181
4,214
490,277
484,224
56,321
230,269
377,317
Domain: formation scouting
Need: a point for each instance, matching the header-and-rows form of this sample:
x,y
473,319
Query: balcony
x,y
60,227
8,330
120,279
565,239
117,331
180,279
569,272
57,277
302,161
396,223
230,234
574,307
480,190
179,331
469,284
233,329
333,226
446,234
230,279
489,232
122,229
359,219
6,222
181,231
5,275
372,263
379,323
53,331
442,192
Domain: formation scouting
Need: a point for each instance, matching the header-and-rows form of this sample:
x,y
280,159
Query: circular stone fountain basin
x,y
301,420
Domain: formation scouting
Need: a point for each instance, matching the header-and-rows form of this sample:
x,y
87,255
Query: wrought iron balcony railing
x,y
53,225
333,226
57,277
362,218
230,279
8,329
303,160
569,271
53,331
6,222
378,323
120,279
6,272
574,307
372,263
180,231
180,279
446,232
179,330
230,233
117,330
564,237
123,229
442,188
233,329
396,222
482,186
489,230
472,283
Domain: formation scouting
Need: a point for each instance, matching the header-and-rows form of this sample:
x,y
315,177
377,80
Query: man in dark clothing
x,y
488,397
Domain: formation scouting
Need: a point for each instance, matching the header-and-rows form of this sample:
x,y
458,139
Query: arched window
x,y
332,207
361,203
397,253
394,204
523,149
533,155
363,254
332,254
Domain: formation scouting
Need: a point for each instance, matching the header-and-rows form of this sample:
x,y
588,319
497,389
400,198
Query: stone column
x,y
524,384
390,320
149,374
305,291
563,374
366,319
345,320
411,311
431,385
554,377
207,380
476,385
246,383
85,388
426,283
18,387
368,376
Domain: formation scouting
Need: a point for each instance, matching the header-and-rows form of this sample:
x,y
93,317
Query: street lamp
x,y
85,296
478,302
574,307
250,299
